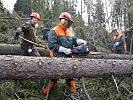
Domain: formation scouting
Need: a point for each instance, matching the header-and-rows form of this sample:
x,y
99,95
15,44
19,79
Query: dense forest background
x,y
102,15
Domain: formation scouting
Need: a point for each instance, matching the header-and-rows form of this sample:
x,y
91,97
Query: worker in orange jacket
x,y
119,42
60,42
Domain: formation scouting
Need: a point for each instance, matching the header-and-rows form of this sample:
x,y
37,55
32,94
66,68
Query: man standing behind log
x,y
29,30
119,42
61,42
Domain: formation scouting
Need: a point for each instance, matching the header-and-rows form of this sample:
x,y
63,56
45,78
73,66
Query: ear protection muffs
x,y
62,21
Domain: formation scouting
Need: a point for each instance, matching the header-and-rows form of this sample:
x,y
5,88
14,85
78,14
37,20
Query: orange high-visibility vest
x,y
119,36
60,31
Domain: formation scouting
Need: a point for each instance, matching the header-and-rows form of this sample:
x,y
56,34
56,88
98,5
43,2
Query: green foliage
x,y
23,8
105,89
7,26
130,13
98,89
97,37
122,11
99,16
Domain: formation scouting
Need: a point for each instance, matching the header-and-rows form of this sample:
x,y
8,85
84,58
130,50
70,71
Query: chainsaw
x,y
81,50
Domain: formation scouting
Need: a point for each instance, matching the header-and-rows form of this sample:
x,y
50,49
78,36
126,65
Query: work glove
x,y
65,50
116,44
80,42
16,36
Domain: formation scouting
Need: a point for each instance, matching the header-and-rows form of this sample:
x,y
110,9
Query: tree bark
x,y
22,67
93,55
10,49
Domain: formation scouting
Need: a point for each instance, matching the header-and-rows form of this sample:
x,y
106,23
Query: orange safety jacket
x,y
117,38
59,36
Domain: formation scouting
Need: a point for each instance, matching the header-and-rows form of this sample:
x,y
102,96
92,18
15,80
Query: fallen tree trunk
x,y
10,49
22,67
107,56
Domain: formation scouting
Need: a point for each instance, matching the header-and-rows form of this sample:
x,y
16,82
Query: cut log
x,y
22,67
10,49
107,56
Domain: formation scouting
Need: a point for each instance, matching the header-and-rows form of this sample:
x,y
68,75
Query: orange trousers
x,y
70,83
